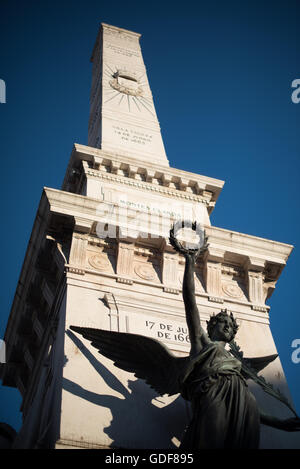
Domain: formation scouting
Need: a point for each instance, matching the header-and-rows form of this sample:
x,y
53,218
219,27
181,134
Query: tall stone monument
x,y
99,257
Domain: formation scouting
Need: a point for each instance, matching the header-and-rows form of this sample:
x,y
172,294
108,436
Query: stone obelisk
x,y
122,115
99,257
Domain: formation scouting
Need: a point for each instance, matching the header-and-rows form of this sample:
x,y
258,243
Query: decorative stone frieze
x,y
215,299
126,281
102,165
82,225
174,291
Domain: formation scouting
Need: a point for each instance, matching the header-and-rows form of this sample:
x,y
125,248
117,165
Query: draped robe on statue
x,y
225,413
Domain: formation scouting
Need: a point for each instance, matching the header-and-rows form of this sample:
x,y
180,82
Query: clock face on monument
x,y
127,90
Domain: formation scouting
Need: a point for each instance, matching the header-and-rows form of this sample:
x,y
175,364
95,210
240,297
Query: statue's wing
x,y
250,366
259,363
250,369
147,358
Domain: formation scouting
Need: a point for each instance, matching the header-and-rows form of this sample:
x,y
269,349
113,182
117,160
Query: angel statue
x,y
225,413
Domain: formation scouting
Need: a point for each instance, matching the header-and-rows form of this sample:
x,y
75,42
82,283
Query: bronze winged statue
x,y
213,379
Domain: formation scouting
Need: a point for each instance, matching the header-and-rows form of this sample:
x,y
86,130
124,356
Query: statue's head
x,y
222,326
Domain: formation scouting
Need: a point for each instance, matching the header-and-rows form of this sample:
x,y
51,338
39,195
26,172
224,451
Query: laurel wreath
x,y
177,245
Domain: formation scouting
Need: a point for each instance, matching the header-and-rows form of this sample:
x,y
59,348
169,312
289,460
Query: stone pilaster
x,y
125,257
255,287
77,260
254,275
213,274
170,272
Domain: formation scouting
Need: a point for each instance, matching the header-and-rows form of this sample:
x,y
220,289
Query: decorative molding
x,y
272,271
146,252
232,271
149,186
262,309
255,287
77,260
255,264
212,278
127,281
214,254
215,299
170,269
75,270
171,290
82,225
125,257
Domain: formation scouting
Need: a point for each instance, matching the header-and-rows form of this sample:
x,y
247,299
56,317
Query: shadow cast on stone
x,y
139,416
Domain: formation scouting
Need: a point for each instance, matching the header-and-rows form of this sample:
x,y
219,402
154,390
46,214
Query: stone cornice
x,y
149,187
254,248
160,178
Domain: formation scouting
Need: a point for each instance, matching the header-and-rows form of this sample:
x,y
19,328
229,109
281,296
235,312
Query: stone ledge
x,y
163,176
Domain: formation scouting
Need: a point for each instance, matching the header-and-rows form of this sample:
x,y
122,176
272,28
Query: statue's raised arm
x,y
198,336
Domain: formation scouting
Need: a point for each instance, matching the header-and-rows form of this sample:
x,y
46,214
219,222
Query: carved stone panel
x,y
125,259
255,287
78,252
147,264
146,271
170,270
213,279
232,283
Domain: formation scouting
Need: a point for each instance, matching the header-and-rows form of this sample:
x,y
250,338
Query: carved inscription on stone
x,y
173,333
122,51
132,136
167,330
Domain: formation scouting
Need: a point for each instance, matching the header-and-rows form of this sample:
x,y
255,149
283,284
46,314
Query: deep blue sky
x,y
221,75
